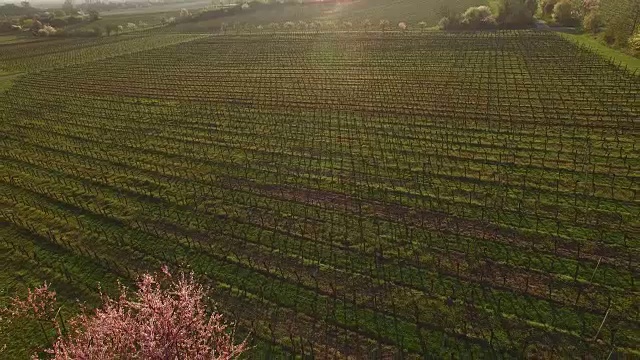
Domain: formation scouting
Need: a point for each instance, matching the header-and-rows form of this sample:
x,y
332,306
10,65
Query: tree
x,y
546,7
68,6
635,42
563,13
25,4
514,13
94,15
110,29
366,24
166,318
621,19
592,22
384,24
478,17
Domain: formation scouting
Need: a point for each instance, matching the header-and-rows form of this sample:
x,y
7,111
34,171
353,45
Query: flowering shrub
x,y
161,320
39,304
635,42
478,17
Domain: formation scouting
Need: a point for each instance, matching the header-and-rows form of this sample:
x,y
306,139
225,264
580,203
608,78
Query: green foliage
x,y
94,15
58,22
447,23
68,7
27,23
634,42
74,20
15,10
474,18
563,13
478,17
621,19
110,28
592,22
546,7
502,13
514,13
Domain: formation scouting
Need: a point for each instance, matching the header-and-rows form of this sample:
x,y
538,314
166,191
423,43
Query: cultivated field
x,y
373,195
353,12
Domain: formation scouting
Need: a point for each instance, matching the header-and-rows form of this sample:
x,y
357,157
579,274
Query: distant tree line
x,y
621,19
26,18
15,10
617,20
500,14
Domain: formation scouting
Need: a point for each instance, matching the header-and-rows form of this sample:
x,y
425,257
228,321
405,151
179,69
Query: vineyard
x,y
35,56
365,195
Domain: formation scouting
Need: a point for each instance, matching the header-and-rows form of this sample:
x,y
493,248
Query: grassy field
x,y
364,195
65,52
617,56
410,11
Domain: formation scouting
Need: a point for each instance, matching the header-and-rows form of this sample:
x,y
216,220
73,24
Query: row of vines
x,y
367,195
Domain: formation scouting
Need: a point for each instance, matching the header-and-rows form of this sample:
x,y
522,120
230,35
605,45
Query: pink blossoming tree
x,y
165,318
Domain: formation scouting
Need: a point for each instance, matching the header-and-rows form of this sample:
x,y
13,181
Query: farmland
x,y
337,13
347,194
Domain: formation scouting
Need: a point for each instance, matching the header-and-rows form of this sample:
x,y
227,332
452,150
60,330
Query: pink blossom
x,y
164,319
39,304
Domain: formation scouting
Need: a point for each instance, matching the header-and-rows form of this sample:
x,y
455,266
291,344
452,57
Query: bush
x,y
563,13
592,22
47,30
10,10
58,22
546,7
453,22
474,18
445,23
384,24
94,15
479,17
27,23
74,20
515,14
615,37
111,28
85,33
634,42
